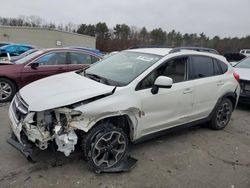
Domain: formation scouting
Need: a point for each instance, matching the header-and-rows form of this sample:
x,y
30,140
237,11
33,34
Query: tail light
x,y
236,76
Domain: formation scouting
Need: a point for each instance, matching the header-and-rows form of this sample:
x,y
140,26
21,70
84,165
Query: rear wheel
x,y
222,115
105,146
7,90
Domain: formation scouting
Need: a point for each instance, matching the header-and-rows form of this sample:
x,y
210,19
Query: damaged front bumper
x,y
26,149
27,134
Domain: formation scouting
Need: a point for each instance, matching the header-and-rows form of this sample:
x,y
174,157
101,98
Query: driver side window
x,y
55,58
175,69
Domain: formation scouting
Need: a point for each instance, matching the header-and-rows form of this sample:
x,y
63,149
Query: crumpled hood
x,y
243,72
61,90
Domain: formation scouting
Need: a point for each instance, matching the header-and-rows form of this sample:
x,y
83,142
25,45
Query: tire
x,y
105,146
222,115
7,90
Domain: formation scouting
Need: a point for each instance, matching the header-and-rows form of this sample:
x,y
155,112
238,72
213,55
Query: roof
x,y
156,51
192,52
71,49
167,51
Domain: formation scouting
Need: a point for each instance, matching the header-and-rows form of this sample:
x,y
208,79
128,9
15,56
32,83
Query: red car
x,y
40,64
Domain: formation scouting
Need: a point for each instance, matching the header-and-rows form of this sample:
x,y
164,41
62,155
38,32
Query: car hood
x,y
243,72
61,90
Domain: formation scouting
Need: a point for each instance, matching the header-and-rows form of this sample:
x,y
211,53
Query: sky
x,y
225,18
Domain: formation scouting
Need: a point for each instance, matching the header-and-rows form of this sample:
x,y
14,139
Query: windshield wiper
x,y
97,78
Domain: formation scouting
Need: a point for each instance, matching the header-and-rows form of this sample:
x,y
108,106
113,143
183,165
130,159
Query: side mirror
x,y
34,65
161,82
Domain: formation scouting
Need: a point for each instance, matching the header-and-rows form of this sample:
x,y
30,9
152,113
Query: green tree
x,y
143,35
122,31
86,29
158,36
102,31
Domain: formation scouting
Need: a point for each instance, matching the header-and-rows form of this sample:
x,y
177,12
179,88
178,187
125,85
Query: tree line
x,y
122,36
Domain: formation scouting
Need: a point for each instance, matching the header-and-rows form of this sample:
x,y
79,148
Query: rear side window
x,y
201,67
80,58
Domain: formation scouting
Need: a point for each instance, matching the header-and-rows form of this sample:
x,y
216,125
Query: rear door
x,y
206,75
80,60
49,64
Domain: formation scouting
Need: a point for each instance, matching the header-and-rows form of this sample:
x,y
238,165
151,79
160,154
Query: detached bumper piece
x,y
27,149
124,166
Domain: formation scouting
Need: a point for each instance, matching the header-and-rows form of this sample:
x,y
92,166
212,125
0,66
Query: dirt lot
x,y
194,157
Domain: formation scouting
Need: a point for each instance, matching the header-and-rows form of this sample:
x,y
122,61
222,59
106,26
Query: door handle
x,y
187,91
220,83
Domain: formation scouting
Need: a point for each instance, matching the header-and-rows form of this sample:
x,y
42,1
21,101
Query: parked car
x,y
234,57
14,49
246,52
128,97
4,43
40,64
11,60
93,50
243,69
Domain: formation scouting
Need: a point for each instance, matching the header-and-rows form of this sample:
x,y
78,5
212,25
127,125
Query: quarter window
x,y
94,59
223,66
55,58
217,70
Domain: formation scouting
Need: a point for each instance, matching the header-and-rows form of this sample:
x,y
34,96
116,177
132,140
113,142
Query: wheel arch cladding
x,y
120,121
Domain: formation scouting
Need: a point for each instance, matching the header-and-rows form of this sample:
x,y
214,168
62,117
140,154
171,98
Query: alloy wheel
x,y
5,90
223,114
109,149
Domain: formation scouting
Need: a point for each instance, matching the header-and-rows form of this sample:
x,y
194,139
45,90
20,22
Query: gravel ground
x,y
194,157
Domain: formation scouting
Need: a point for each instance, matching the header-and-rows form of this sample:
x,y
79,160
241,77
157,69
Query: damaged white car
x,y
124,98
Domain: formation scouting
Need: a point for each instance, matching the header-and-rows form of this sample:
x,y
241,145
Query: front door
x,y
49,64
170,106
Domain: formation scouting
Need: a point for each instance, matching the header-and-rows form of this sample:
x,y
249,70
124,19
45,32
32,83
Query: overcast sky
x,y
213,17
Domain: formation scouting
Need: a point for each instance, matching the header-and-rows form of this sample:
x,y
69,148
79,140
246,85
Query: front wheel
x,y
7,90
105,146
222,115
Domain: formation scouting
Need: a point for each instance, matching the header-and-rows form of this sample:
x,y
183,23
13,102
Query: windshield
x,y
245,63
121,68
29,57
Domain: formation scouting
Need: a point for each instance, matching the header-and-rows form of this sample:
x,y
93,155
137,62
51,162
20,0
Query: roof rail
x,y
199,49
149,46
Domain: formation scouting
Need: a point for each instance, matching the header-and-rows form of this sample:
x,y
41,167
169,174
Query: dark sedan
x,y
40,64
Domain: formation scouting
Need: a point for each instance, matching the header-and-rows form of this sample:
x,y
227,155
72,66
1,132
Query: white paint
x,y
61,90
182,103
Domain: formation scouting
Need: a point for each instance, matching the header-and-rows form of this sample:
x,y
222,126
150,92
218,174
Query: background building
x,y
45,37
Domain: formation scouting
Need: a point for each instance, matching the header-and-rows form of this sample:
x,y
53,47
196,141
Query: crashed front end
x,y
30,129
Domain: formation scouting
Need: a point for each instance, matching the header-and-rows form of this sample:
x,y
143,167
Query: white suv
x,y
124,98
